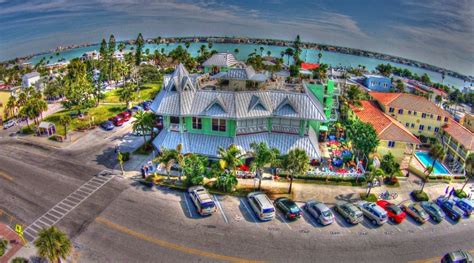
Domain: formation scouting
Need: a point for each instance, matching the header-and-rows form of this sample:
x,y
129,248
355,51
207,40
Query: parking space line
x,y
220,209
187,205
242,201
283,219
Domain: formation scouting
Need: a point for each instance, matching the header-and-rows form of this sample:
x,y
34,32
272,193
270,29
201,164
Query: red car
x,y
117,120
125,115
394,212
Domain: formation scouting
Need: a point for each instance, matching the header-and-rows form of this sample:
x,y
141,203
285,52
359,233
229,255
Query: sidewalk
x,y
14,242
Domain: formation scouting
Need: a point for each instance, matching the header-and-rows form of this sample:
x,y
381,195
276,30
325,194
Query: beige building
x,y
459,143
469,121
419,115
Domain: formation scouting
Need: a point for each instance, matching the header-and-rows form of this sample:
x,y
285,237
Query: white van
x,y
261,205
202,200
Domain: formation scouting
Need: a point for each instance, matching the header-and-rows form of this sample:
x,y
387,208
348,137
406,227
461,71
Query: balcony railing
x,y
254,129
453,145
286,129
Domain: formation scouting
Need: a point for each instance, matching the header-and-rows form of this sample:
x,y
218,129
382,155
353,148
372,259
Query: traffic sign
x,y
19,229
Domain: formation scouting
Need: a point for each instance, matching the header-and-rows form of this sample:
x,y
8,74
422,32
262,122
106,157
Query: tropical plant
x,y
19,260
424,179
10,106
289,52
364,138
354,95
320,72
143,122
65,121
437,152
468,169
139,42
127,93
194,169
226,182
262,156
3,246
53,244
296,162
230,158
374,174
169,157
389,165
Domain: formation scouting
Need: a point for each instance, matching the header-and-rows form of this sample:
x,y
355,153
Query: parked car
x,y
137,108
125,115
139,132
466,205
320,211
373,212
202,200
288,207
349,212
416,211
107,125
394,212
459,256
261,205
433,210
9,124
450,208
117,120
146,105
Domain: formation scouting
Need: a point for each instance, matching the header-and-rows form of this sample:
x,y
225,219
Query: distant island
x,y
279,42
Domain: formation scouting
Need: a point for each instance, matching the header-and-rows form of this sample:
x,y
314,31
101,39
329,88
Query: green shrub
x,y
27,130
419,196
370,198
3,246
20,260
460,193
391,181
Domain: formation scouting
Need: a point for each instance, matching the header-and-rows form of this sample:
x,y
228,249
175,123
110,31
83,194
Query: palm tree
x,y
230,158
236,51
126,94
169,157
320,55
261,51
437,152
289,52
65,121
468,169
374,174
296,162
10,107
263,155
53,244
354,95
428,171
143,122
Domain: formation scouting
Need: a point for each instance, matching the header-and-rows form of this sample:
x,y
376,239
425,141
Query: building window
x,y
391,110
407,124
423,115
431,116
439,118
218,125
400,111
391,144
421,127
413,125
429,128
445,119
197,123
409,112
414,113
436,129
174,120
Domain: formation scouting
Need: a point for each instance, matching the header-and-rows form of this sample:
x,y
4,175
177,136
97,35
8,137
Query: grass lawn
x,y
99,114
147,92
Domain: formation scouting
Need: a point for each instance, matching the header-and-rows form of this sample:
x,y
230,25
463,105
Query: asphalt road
x,y
124,222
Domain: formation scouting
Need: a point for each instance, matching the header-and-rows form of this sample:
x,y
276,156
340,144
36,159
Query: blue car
x,y
450,208
107,125
466,205
137,108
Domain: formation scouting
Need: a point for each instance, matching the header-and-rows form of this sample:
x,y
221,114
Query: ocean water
x,y
309,55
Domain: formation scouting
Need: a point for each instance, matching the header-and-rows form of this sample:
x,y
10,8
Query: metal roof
x,y
209,144
221,60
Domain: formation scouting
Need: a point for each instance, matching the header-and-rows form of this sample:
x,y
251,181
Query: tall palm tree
x,y
127,94
468,169
236,51
53,244
167,158
230,158
65,121
428,171
261,51
374,174
296,162
10,106
289,52
269,53
143,122
437,152
263,155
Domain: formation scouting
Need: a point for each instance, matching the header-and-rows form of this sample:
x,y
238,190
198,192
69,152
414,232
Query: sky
x,y
438,32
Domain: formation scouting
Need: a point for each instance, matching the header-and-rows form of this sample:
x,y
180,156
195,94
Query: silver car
x,y
320,211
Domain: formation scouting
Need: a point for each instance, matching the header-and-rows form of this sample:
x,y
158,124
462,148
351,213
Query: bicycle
x,y
388,196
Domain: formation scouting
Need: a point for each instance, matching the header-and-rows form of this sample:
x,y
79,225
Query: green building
x,y
240,107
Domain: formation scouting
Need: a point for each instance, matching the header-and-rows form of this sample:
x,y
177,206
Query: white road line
x,y
283,219
187,205
220,209
399,230
242,201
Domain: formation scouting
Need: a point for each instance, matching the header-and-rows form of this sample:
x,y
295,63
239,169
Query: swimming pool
x,y
426,160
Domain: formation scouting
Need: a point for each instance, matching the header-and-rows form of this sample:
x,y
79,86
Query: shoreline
x,y
274,42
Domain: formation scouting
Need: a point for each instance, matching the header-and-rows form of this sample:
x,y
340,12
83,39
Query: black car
x,y
288,207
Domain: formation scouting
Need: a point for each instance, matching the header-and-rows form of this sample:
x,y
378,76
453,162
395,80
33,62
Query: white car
x,y
139,132
9,124
376,214
202,200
